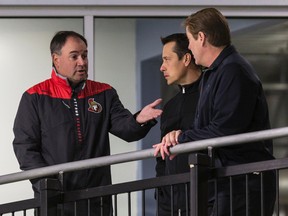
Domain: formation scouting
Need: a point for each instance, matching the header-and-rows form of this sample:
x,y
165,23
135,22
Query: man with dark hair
x,y
232,101
178,68
68,117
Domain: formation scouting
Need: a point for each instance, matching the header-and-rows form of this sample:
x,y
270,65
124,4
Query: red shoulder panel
x,y
48,88
93,88
64,91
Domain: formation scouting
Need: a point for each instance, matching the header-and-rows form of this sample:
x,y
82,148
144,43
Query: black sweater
x,y
178,113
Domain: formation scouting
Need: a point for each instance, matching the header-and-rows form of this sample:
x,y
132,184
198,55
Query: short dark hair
x,y
212,23
59,40
181,46
181,40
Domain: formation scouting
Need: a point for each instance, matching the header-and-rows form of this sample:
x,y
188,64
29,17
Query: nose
x,y
82,60
162,68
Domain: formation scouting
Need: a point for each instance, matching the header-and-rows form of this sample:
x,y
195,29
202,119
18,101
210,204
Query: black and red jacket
x,y
57,124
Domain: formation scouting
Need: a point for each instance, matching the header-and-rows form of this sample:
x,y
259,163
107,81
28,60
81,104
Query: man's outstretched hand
x,y
149,112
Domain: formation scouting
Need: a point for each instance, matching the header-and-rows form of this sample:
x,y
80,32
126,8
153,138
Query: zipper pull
x,y
183,90
65,104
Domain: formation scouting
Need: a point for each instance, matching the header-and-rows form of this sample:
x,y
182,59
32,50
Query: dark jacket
x,y
178,113
231,102
57,124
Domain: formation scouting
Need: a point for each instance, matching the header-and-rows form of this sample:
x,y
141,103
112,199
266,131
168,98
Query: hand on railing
x,y
169,140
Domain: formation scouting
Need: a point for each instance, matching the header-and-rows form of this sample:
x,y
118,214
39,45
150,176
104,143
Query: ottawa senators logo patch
x,y
94,106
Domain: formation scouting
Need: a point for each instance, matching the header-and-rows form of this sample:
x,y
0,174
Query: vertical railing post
x,y
50,196
199,170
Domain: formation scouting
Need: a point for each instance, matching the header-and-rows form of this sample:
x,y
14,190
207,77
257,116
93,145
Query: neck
x,y
211,54
75,85
192,76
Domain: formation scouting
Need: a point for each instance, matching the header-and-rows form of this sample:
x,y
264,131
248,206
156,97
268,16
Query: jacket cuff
x,y
150,123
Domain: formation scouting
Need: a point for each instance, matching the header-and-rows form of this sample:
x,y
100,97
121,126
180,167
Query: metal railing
x,y
144,154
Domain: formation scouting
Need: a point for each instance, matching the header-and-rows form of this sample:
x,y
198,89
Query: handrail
x,y
143,154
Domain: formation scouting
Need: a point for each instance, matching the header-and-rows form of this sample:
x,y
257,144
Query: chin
x,y
84,77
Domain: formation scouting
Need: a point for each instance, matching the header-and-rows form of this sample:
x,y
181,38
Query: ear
x,y
202,37
55,59
187,59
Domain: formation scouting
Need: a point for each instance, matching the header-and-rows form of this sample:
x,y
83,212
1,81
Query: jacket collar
x,y
192,87
225,52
